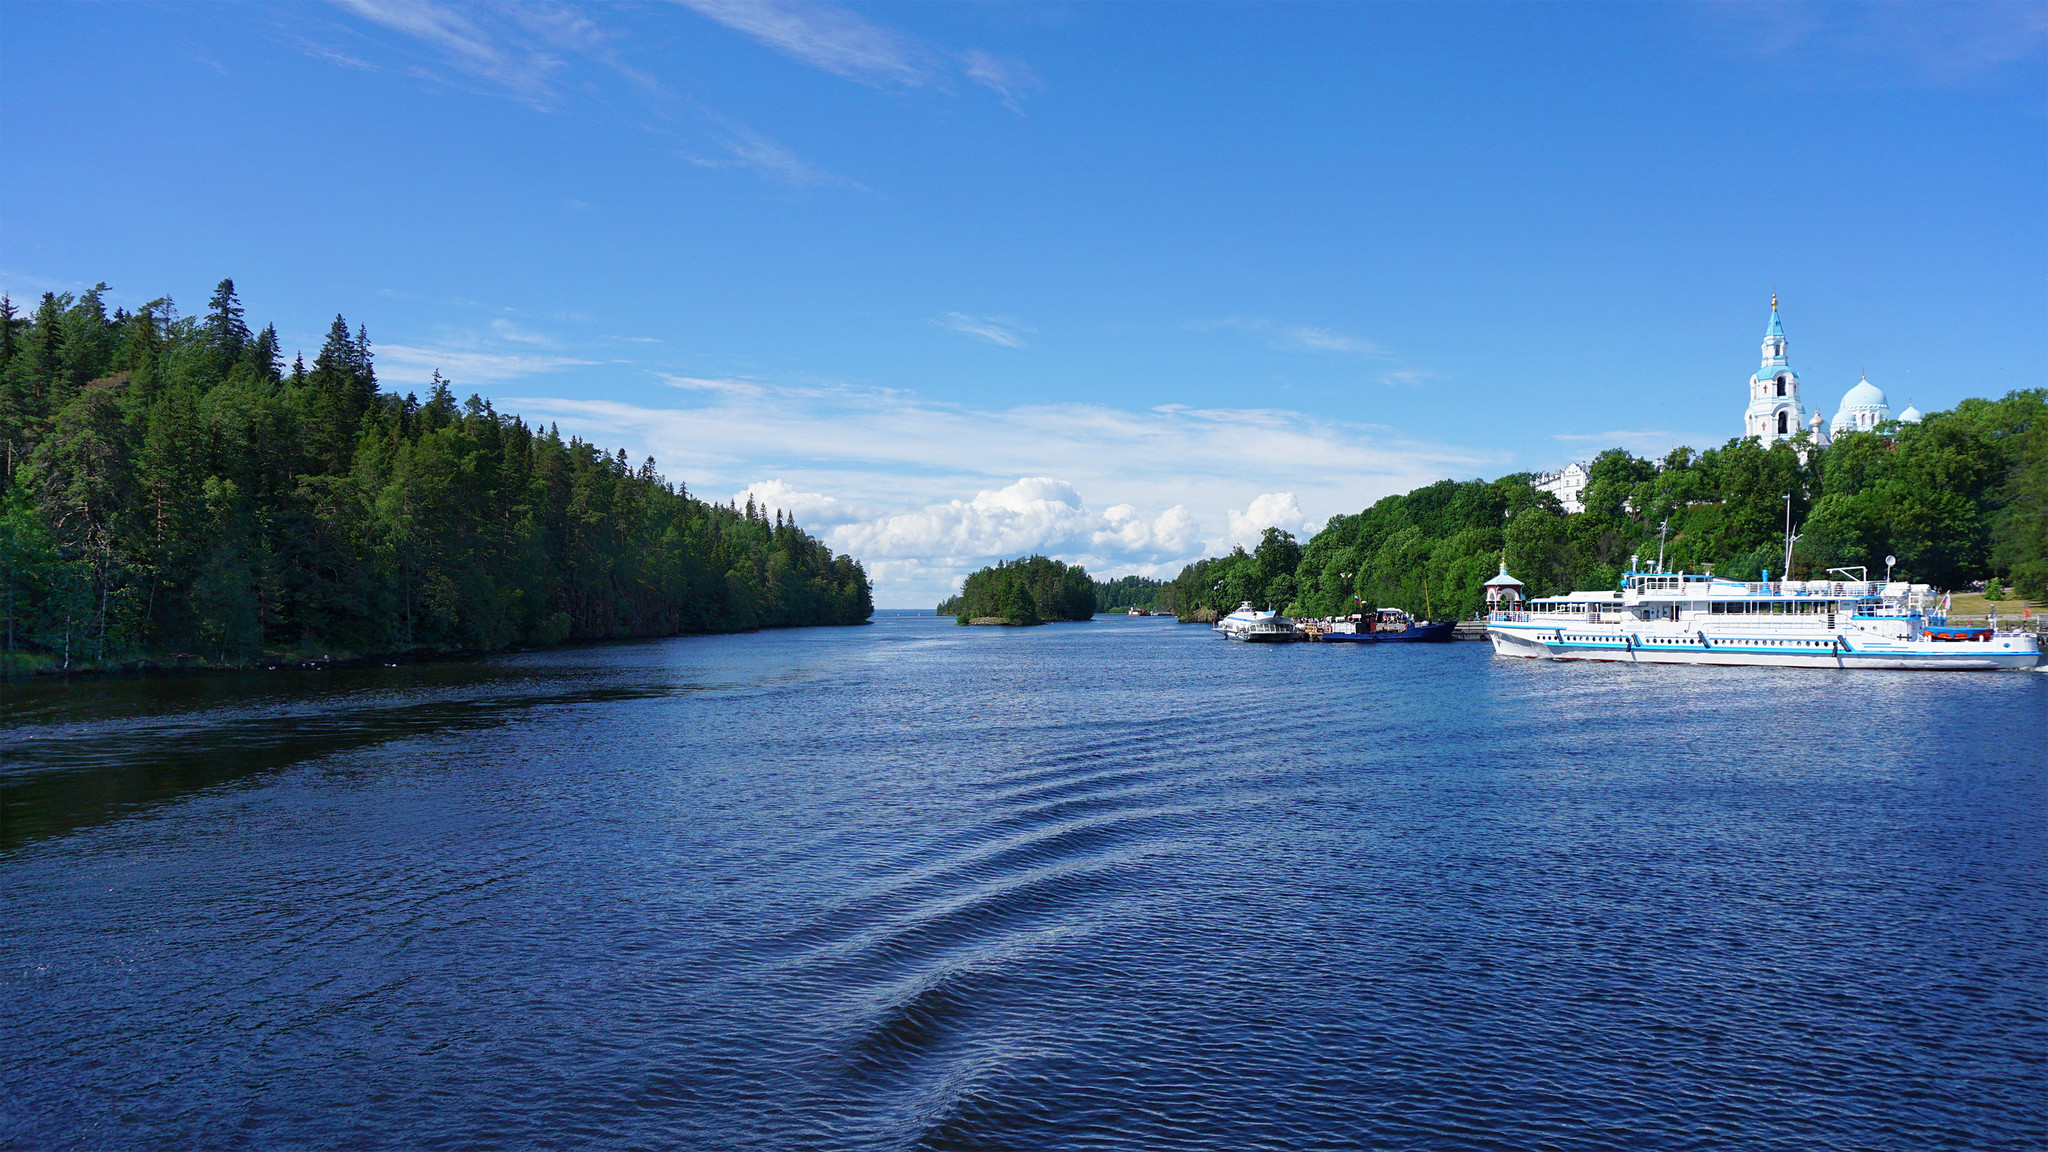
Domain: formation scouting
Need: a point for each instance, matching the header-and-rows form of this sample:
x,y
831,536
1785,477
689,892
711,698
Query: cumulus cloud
x,y
1271,510
1033,515
812,509
926,491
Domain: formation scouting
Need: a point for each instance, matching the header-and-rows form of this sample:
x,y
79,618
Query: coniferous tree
x,y
226,333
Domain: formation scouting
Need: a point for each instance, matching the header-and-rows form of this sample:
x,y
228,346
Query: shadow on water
x,y
72,759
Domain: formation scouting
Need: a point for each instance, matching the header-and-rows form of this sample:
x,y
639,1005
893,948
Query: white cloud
x,y
994,329
812,509
1174,483
1271,510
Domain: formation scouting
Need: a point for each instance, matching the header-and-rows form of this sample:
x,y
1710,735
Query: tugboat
x,y
1388,626
1255,627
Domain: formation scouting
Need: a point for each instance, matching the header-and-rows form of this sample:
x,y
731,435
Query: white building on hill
x,y
1568,484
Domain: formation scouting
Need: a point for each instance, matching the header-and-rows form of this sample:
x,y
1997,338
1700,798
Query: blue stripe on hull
x,y
1542,643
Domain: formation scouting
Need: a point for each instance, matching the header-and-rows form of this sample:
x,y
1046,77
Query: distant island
x,y
173,493
1023,592
1959,497
1127,592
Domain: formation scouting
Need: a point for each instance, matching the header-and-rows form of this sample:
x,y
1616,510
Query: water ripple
x,y
1113,886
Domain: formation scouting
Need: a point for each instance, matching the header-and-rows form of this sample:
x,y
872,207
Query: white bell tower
x,y
1774,412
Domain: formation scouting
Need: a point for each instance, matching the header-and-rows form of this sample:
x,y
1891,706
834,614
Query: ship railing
x,y
1832,589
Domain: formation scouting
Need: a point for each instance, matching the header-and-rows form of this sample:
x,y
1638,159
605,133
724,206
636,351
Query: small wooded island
x,y
1033,590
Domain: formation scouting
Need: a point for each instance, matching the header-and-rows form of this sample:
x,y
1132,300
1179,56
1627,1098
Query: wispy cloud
x,y
489,54
507,330
333,56
827,37
725,386
522,50
1324,340
1410,376
1942,44
742,147
994,329
1648,442
1296,337
836,40
411,364
532,51
1013,80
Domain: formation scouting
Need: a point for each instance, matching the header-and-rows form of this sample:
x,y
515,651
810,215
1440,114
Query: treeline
x,y
1132,592
1264,576
1959,497
1032,590
171,488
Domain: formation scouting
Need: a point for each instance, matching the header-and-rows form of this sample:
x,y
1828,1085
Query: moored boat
x,y
1255,627
1677,618
1387,626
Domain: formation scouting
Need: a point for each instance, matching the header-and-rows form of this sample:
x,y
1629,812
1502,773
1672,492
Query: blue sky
x,y
1124,284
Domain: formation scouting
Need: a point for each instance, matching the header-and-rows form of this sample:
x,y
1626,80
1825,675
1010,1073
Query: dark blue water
x,y
1108,885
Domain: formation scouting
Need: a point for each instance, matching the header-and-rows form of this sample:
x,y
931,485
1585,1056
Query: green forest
x,y
172,490
1131,592
1031,590
1959,497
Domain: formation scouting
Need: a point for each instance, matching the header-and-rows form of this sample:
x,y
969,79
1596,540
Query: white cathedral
x,y
1775,412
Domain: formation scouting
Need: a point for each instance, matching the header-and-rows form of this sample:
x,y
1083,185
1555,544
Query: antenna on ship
x,y
1661,533
1789,536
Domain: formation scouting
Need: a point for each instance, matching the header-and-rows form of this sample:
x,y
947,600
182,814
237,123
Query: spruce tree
x,y
226,334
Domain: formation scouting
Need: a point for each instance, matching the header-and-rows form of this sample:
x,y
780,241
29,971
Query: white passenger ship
x,y
1256,627
1675,618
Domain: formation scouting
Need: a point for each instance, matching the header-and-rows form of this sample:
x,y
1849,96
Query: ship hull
x,y
1999,654
1420,634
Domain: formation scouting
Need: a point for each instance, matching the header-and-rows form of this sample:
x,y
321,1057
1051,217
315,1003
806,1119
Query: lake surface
x,y
1107,885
